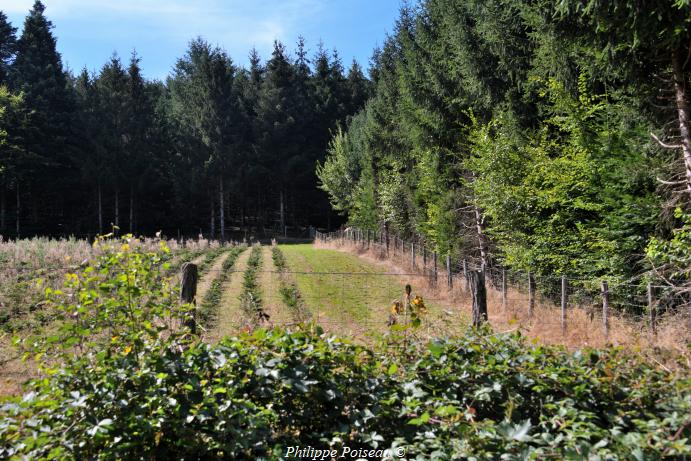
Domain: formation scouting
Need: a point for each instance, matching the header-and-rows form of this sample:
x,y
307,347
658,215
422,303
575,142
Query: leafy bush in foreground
x,y
122,385
251,397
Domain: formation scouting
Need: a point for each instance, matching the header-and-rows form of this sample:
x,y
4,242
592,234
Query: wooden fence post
x,y
424,258
479,294
412,254
563,304
503,290
531,294
188,290
605,309
652,310
449,274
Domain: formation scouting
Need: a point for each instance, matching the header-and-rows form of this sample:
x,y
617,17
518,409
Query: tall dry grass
x,y
584,325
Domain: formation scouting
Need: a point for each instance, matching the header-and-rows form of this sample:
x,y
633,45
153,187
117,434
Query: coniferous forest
x,y
550,136
215,147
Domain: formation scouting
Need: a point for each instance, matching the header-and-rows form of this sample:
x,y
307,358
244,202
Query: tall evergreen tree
x,y
208,105
38,74
113,116
8,46
138,131
277,122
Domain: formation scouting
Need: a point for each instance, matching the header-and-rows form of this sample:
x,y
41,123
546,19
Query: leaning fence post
x,y
188,290
449,275
531,294
605,309
652,310
465,275
479,295
563,304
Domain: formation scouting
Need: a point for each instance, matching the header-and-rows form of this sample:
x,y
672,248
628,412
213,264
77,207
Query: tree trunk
x,y
131,209
682,110
283,215
100,209
34,206
3,209
19,208
481,238
221,211
117,211
212,227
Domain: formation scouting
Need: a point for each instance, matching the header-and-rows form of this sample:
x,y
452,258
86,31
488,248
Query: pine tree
x,y
8,45
38,74
138,127
113,118
358,89
277,122
207,103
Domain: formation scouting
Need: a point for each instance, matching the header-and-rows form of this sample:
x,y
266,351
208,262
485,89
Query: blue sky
x,y
89,31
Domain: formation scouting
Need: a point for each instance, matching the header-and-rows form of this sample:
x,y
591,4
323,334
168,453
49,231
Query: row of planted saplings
x,y
290,293
250,298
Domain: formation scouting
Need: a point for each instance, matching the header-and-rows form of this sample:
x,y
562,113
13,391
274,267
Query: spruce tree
x,y
209,107
38,74
8,46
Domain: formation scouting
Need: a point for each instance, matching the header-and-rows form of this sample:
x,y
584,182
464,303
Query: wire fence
x,y
643,307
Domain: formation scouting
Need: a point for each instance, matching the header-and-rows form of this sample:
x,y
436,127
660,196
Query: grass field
x,y
352,296
343,293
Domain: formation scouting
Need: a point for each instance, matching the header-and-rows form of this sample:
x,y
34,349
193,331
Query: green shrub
x,y
149,392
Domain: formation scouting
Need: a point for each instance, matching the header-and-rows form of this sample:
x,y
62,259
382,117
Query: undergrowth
x,y
122,386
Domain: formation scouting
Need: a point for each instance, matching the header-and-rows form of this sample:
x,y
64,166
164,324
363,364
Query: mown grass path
x,y
270,283
230,314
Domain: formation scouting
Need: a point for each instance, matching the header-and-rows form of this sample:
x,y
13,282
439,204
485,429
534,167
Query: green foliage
x,y
279,259
671,258
557,199
122,301
210,256
251,397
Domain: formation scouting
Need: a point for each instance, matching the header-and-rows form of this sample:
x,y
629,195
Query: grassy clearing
x,y
351,296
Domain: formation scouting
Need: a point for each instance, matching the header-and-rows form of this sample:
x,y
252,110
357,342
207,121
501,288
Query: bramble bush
x,y
250,397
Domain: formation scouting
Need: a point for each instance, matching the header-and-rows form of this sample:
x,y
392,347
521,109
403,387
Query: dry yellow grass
x,y
544,327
